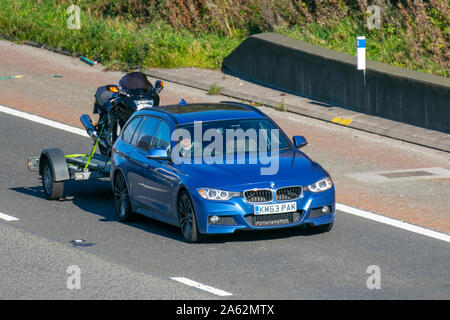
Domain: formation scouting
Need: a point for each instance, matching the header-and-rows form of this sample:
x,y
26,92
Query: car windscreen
x,y
230,136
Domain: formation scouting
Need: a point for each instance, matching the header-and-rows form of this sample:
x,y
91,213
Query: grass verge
x,y
117,43
124,34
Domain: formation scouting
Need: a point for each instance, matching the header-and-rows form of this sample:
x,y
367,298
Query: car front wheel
x,y
188,221
122,198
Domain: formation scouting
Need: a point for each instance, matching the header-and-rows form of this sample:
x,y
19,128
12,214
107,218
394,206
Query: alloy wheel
x,y
186,214
121,198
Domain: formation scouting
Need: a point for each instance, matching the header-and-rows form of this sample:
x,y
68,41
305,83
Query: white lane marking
x,y
393,222
7,218
44,121
200,286
340,207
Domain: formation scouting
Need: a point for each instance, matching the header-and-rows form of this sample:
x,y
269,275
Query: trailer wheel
x,y
52,189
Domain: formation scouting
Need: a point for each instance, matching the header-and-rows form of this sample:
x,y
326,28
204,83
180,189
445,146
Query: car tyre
x,y
52,189
188,221
122,199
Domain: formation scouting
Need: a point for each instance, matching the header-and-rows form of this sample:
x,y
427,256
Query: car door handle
x,y
127,155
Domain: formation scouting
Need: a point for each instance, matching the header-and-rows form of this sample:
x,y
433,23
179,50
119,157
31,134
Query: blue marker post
x,y
361,55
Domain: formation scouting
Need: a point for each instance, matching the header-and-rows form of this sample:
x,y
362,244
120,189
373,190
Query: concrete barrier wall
x,y
297,67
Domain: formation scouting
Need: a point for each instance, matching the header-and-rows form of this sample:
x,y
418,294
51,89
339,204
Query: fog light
x,y
214,219
326,210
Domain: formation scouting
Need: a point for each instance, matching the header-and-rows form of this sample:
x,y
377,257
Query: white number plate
x,y
143,104
276,208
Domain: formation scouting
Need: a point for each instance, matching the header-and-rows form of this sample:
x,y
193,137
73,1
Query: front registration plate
x,y
276,208
144,104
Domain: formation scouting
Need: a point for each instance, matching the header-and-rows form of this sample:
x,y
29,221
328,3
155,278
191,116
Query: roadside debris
x,y
11,77
56,76
81,243
86,60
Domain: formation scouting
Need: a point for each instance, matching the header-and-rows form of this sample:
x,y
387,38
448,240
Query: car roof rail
x,y
160,110
242,105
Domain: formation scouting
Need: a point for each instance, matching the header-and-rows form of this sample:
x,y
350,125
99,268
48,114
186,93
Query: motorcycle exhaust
x,y
87,124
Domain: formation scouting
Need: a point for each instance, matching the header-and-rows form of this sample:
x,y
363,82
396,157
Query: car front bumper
x,y
237,214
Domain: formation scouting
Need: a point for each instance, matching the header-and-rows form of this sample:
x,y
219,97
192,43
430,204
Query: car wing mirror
x,y
158,154
299,141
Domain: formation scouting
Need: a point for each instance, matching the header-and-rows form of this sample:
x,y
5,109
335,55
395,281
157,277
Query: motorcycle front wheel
x,y
104,151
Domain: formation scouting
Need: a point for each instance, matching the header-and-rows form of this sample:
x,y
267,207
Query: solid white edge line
x,y
7,218
44,121
200,286
340,207
393,222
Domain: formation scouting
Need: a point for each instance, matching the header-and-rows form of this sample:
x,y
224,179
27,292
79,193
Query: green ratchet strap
x,y
76,155
93,150
90,157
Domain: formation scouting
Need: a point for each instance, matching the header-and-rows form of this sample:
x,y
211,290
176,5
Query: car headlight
x,y
321,185
216,194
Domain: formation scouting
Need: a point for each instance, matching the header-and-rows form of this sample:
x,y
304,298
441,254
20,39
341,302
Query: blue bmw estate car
x,y
215,169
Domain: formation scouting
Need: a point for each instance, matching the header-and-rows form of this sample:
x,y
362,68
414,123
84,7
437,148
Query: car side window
x,y
137,132
130,129
144,141
162,137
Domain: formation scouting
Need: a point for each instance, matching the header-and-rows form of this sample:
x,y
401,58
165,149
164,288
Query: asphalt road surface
x,y
38,248
138,260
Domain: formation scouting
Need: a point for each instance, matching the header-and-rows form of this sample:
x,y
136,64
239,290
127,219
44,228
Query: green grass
x,y
214,90
117,43
281,106
387,45
121,39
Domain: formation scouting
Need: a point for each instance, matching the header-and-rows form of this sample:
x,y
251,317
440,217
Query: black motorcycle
x,y
116,104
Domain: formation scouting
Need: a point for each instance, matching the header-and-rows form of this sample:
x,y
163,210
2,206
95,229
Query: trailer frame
x,y
55,167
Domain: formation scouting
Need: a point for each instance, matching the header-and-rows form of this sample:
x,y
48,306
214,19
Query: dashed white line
x,y
393,222
201,286
7,217
340,207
